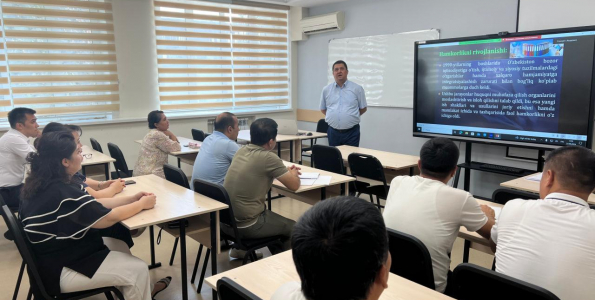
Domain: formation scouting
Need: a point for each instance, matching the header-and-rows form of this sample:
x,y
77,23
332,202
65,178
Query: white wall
x,y
549,14
134,30
390,129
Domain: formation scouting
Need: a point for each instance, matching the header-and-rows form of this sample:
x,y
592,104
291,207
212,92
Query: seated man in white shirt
x,y
425,207
340,251
551,242
14,148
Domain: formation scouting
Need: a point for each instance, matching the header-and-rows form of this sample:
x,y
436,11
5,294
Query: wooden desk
x,y
295,141
97,158
175,203
394,163
523,184
311,194
265,276
186,154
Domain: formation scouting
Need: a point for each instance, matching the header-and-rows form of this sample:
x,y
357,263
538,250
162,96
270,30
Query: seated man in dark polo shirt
x,y
249,178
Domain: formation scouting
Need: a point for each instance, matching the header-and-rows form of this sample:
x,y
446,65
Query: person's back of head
x,y
54,127
573,168
262,131
223,121
439,158
340,250
19,115
47,163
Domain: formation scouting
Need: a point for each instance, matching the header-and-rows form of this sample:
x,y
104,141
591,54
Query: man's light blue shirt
x,y
342,104
214,158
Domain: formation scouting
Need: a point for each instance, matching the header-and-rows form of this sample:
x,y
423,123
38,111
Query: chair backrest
x,y
411,258
367,166
471,281
95,145
504,195
16,228
228,289
218,192
175,175
198,135
120,163
328,158
322,126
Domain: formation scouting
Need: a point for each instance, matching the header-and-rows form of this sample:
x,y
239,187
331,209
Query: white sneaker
x,y
239,254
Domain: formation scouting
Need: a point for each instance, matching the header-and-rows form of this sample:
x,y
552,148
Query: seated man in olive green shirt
x,y
249,178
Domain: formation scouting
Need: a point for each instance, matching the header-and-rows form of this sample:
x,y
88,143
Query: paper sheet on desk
x,y
309,175
304,181
321,180
536,177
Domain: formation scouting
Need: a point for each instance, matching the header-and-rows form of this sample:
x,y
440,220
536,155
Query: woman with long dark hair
x,y
156,146
61,221
97,189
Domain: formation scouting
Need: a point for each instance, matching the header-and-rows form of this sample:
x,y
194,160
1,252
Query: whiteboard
x,y
381,64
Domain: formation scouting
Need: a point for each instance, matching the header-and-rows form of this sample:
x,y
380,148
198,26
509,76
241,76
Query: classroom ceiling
x,y
300,3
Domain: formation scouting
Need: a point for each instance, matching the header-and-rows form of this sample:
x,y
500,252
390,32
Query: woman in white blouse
x,y
156,146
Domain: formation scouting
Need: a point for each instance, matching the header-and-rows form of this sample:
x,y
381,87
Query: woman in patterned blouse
x,y
156,145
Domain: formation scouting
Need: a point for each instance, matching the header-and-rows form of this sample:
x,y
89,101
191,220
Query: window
x,y
61,58
221,57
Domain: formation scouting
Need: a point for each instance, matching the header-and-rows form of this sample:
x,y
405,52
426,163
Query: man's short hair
x,y
54,127
339,246
340,62
262,131
574,168
223,121
439,157
19,115
154,117
74,128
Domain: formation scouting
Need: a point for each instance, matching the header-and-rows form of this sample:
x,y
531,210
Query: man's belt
x,y
344,130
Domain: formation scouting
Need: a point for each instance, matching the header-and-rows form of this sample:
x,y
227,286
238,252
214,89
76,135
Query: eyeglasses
x,y
88,155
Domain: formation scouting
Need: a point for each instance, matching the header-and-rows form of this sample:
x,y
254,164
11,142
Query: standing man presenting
x,y
343,102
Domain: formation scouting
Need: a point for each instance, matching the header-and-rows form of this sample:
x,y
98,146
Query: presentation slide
x,y
534,89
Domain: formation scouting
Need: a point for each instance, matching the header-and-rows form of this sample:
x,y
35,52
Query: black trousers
x,y
12,196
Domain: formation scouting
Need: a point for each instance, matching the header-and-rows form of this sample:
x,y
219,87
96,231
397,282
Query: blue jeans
x,y
349,137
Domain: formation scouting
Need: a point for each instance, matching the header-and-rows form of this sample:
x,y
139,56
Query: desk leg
x,y
411,171
466,251
279,149
323,193
214,246
153,264
84,171
269,199
106,166
290,151
183,260
179,163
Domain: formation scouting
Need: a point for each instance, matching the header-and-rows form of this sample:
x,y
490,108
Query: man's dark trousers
x,y
349,137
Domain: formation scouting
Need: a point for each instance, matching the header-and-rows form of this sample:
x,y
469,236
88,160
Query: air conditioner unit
x,y
323,23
